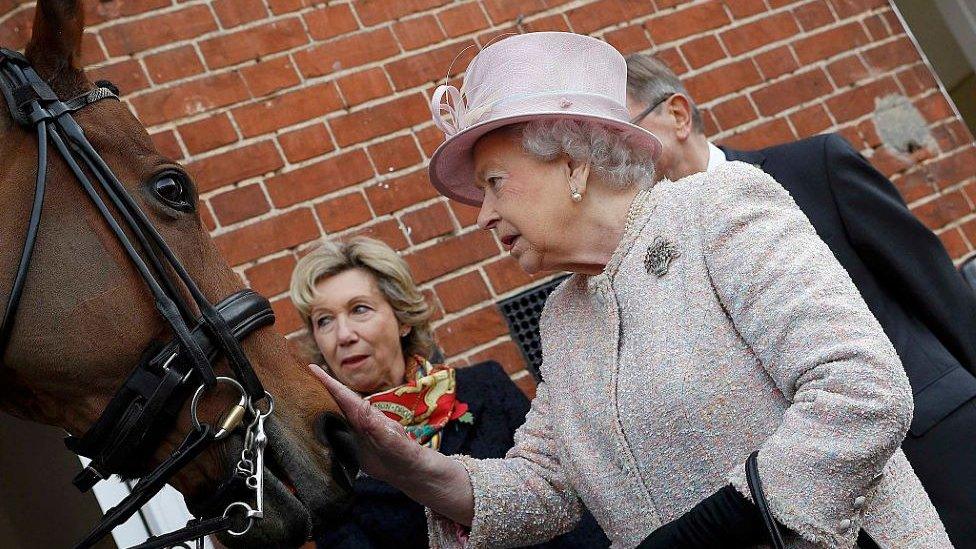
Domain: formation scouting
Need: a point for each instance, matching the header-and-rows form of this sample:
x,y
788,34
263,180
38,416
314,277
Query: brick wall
x,y
302,119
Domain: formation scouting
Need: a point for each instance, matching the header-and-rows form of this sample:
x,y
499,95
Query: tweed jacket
x,y
722,324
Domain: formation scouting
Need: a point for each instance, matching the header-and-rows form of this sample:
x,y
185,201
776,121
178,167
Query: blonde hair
x,y
392,276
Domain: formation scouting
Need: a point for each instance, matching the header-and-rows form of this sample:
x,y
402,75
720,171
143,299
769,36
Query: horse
x,y
85,316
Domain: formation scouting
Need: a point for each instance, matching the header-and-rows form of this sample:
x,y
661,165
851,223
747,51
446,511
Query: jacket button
x,y
859,502
844,525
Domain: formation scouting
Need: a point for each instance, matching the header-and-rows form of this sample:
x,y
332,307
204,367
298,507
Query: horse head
x,y
86,317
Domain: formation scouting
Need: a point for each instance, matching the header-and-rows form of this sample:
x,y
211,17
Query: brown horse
x,y
85,316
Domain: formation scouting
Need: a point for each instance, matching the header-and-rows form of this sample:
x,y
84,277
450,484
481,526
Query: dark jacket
x,y
923,304
381,516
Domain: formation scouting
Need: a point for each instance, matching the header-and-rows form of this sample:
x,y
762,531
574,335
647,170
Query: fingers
x,y
362,417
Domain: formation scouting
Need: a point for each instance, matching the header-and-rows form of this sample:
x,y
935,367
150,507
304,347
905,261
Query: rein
x,y
145,408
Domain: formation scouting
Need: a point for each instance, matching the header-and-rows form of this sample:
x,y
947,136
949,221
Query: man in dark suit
x,y
901,269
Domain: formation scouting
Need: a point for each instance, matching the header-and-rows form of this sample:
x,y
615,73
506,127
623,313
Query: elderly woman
x,y
704,322
370,325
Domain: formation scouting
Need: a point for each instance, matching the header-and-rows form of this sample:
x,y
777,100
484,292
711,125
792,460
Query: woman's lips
x,y
354,361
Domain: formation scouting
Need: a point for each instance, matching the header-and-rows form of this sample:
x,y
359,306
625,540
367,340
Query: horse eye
x,y
173,191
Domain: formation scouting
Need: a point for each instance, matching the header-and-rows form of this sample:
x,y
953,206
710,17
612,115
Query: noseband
x,y
145,408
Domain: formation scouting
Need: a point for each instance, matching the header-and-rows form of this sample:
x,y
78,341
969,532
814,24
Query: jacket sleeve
x,y
521,499
849,399
904,253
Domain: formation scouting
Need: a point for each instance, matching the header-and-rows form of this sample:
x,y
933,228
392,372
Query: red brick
x,y
287,109
467,216
418,32
239,204
287,318
347,52
876,27
702,51
451,254
954,243
253,43
271,277
934,107
829,43
813,15
869,133
733,77
279,7
232,13
16,30
527,385
173,64
859,101
916,80
390,195
305,143
189,98
387,231
687,22
208,133
428,222
628,40
463,19
953,168
915,184
756,34
505,275
126,74
100,12
206,218
330,21
235,165
508,10
603,13
847,70
142,34
463,291
343,212
436,312
890,162
394,154
267,77
319,179
167,145
791,92
774,132
372,12
364,85
672,58
969,229
742,9
811,120
553,23
431,66
505,353
776,62
471,330
734,112
943,210
850,8
266,237
887,57
91,50
429,138
382,119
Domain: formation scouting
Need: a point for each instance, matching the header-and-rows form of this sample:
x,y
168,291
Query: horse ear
x,y
55,43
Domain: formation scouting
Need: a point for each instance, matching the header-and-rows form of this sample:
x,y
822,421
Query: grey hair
x,y
649,81
392,276
610,152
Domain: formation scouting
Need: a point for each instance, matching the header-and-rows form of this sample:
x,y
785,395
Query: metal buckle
x,y
231,419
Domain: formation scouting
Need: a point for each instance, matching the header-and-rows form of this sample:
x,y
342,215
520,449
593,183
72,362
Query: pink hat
x,y
526,77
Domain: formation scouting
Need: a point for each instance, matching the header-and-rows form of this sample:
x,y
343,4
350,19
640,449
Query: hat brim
x,y
451,167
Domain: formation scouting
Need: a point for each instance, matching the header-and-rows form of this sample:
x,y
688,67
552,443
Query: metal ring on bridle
x,y
248,511
253,407
231,419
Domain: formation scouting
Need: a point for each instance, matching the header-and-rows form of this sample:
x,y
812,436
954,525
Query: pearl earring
x,y
576,196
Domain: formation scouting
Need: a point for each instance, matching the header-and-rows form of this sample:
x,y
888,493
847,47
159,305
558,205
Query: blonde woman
x,y
370,325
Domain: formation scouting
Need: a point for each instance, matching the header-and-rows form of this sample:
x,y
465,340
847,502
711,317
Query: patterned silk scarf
x,y
424,405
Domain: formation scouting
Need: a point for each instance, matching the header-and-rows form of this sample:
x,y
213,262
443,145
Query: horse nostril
x,y
333,431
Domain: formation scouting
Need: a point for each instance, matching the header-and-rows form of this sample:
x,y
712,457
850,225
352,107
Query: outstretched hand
x,y
385,450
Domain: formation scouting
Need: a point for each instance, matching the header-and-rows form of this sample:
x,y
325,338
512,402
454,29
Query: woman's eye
x,y
360,309
323,321
174,191
494,182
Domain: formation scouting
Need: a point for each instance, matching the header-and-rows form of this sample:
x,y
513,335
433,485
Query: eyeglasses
x,y
643,114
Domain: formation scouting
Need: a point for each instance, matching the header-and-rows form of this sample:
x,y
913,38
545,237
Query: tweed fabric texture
x,y
755,338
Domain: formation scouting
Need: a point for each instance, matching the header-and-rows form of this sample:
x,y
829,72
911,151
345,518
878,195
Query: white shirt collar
x,y
715,157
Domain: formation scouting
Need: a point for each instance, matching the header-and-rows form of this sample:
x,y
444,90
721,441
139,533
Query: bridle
x,y
148,403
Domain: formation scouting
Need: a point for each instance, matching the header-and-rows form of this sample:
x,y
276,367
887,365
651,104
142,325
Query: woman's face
x,y
527,202
357,332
